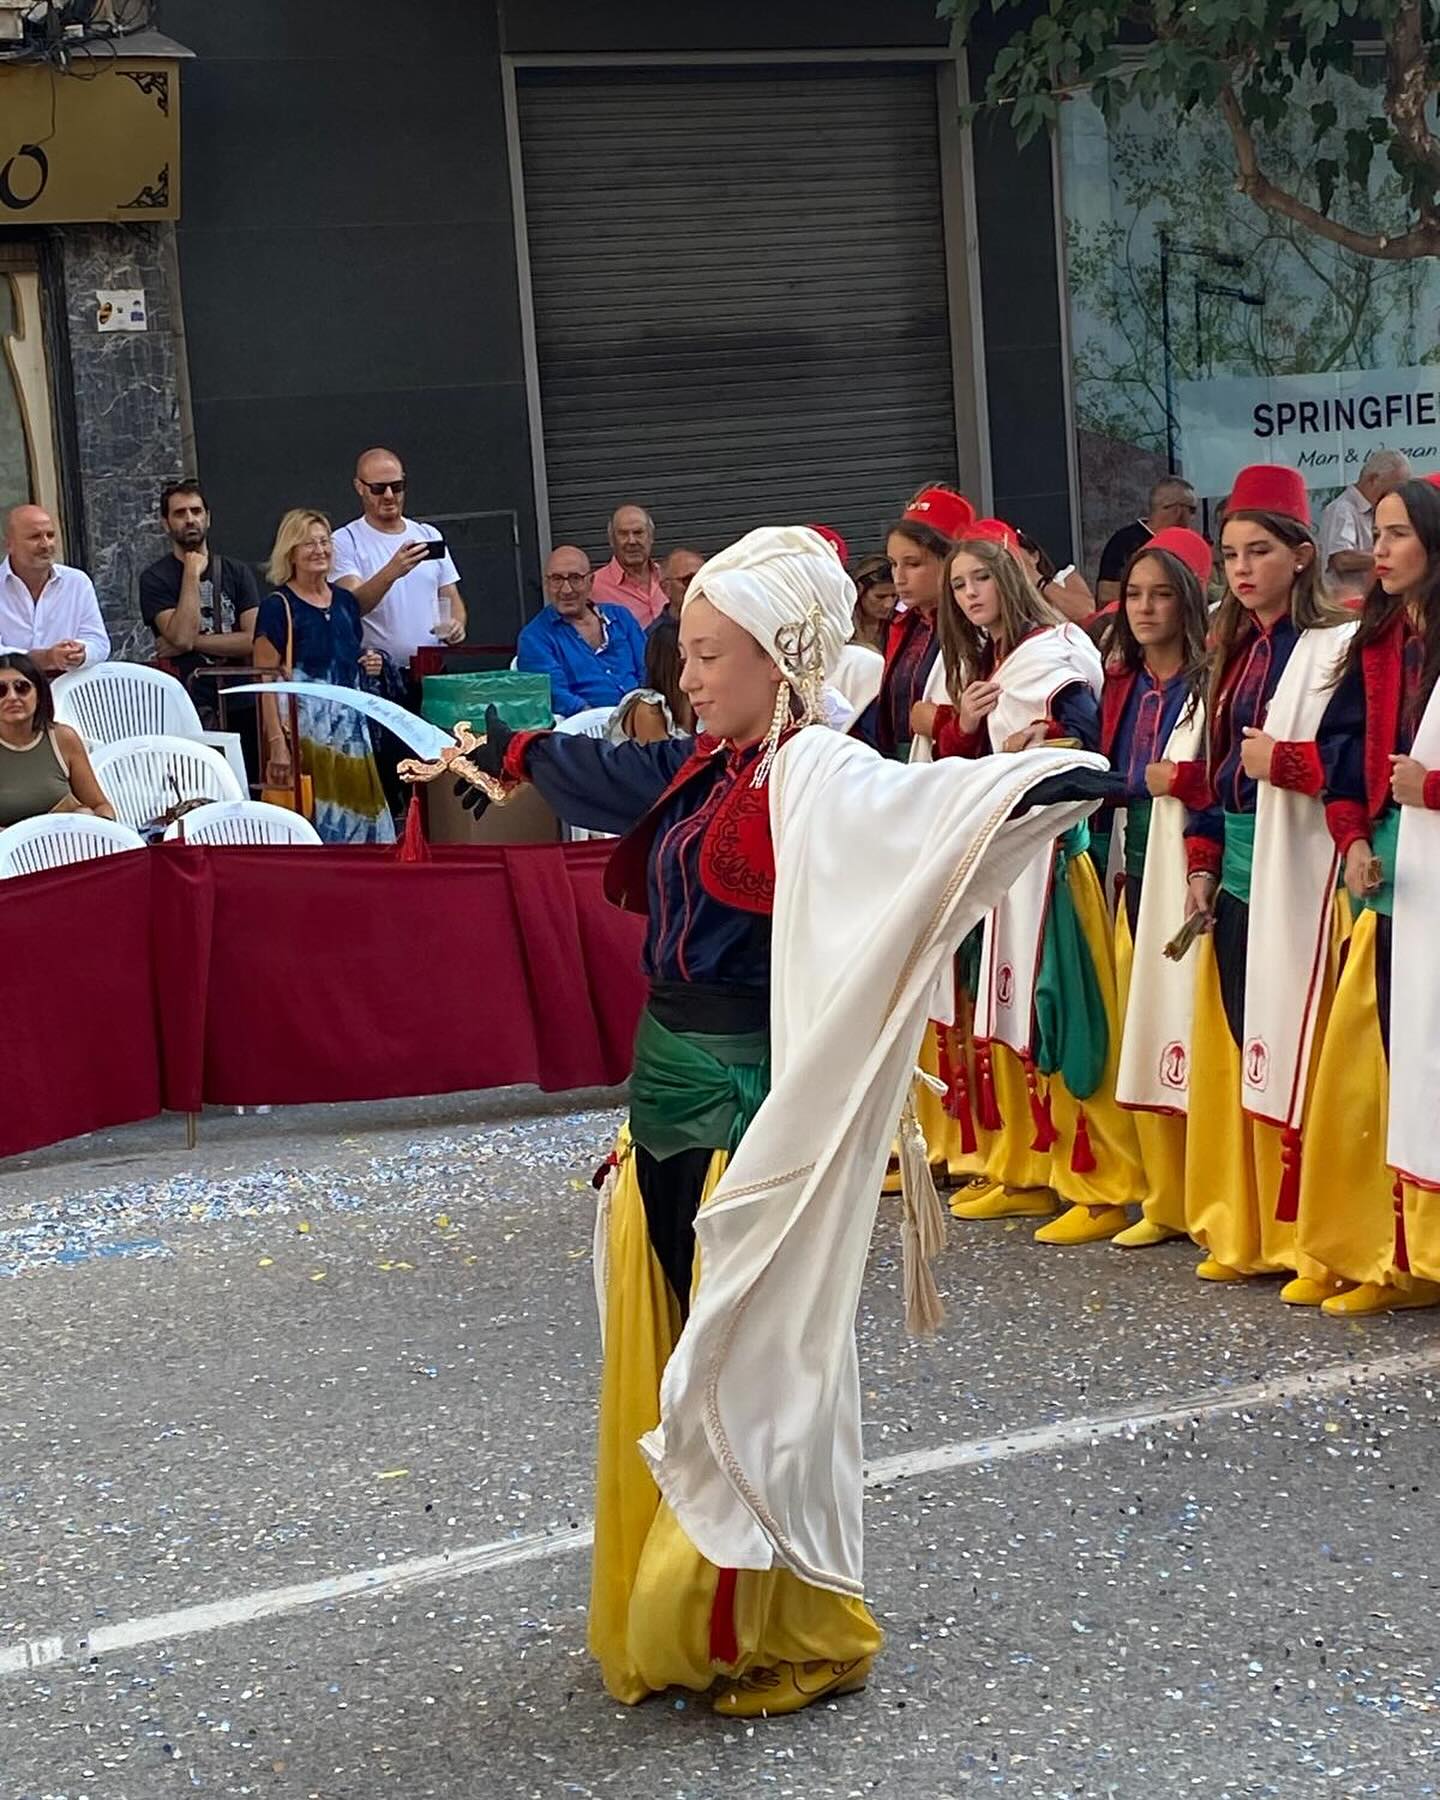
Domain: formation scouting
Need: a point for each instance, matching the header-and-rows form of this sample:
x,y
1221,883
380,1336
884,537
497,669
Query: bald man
x,y
594,655
631,578
47,609
409,593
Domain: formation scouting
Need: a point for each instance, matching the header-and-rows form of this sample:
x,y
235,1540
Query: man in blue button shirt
x,y
593,654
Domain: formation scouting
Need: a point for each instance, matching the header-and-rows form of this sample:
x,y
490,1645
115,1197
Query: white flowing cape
x,y
1414,1144
1292,893
1154,1071
880,872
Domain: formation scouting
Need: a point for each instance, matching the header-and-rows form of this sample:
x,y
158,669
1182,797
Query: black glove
x,y
1074,784
488,757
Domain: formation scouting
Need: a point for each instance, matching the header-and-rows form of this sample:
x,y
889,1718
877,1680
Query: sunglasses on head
x,y
385,487
20,687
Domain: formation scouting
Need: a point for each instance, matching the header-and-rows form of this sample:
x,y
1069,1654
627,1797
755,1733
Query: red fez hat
x,y
833,538
1272,488
993,531
942,509
1189,546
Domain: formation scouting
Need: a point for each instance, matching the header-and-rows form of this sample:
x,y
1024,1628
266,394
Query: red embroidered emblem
x,y
737,853
1174,1067
1257,1064
1005,985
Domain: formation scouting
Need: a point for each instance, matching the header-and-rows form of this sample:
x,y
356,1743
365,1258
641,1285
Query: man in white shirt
x,y
388,562
1347,525
46,609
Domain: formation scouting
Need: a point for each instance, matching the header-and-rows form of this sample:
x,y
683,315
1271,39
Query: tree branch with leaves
x,y
1249,63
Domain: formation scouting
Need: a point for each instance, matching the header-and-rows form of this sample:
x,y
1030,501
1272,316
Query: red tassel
x,y
724,1645
597,1180
413,846
988,1111
1082,1157
1288,1209
944,1063
1402,1252
1040,1113
969,1143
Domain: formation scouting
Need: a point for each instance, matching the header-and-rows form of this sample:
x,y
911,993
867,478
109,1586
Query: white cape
x,y
880,872
1414,1141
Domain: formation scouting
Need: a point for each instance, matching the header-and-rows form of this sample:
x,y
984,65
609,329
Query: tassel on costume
x,y
604,1180
1287,1210
413,845
945,1063
969,1143
922,1230
1082,1157
988,1110
1040,1113
724,1643
1402,1250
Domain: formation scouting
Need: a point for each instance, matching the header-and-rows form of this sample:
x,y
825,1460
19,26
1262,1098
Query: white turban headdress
x,y
787,587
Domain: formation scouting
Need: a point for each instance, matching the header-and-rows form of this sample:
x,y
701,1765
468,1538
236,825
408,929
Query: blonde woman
x,y
310,630
1046,1012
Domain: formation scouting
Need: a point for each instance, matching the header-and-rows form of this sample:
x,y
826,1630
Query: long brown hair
x,y
1194,619
1310,606
1022,609
1421,501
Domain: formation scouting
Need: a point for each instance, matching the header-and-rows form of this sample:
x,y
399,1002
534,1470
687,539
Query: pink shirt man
x,y
631,578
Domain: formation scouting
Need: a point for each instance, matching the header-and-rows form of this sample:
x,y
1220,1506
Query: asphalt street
x,y
294,1481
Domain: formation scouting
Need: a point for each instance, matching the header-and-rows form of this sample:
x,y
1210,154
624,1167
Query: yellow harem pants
x,y
654,1622
1349,1219
1161,1136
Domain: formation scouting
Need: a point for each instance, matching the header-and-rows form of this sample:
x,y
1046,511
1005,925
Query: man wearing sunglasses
x,y
409,594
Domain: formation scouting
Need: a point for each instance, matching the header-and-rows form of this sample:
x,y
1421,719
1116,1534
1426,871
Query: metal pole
x,y
1165,351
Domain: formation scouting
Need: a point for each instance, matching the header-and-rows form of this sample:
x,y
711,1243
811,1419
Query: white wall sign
x,y
1323,425
120,309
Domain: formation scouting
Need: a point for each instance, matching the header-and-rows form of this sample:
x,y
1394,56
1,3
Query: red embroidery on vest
x,y
737,855
1382,673
1005,985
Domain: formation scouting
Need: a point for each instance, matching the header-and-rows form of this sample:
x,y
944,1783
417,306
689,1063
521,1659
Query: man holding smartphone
x,y
399,571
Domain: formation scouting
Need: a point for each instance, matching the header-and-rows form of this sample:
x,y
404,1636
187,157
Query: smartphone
x,y
434,549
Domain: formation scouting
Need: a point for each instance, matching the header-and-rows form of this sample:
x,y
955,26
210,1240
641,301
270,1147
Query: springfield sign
x,y
1323,425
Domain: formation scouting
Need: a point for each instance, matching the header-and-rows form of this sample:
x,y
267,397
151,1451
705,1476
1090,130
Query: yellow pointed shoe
x,y
1210,1270
789,1687
1373,1297
1302,1291
1144,1235
1084,1225
970,1192
1006,1203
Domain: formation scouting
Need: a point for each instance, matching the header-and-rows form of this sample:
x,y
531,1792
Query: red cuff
x,y
1191,786
1202,856
1432,790
516,751
947,739
1349,823
1297,767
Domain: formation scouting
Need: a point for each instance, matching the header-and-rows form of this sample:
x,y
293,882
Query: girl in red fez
x,y
1370,1223
1262,878
1046,1024
1152,711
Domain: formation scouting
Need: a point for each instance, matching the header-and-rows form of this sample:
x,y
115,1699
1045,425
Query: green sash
x,y
1239,855
1072,1036
1137,836
1385,842
695,1092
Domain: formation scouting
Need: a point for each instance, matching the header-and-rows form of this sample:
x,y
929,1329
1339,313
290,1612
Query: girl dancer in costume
x,y
1152,711
1266,972
1357,1216
1045,988
803,896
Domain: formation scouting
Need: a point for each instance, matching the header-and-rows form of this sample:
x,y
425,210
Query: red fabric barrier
x,y
82,1052
343,975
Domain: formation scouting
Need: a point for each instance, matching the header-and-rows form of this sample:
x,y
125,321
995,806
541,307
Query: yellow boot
x,y
1375,1297
768,1693
1302,1291
1006,1203
1210,1270
1143,1235
1084,1225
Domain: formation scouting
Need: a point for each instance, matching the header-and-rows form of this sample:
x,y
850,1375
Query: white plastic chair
x,y
117,700
593,722
56,839
242,822
143,777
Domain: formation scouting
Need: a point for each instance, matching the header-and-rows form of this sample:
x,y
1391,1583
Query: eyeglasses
x,y
18,688
316,543
385,487
568,580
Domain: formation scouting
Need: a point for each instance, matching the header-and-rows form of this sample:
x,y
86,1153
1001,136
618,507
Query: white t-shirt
x,y
404,621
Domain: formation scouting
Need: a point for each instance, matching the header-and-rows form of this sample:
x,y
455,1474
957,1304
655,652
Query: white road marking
x,y
425,1571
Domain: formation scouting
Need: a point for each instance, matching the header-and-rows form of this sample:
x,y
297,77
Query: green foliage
x,y
1255,60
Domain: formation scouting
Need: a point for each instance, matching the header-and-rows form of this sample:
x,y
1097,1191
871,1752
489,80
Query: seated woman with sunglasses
x,y
44,766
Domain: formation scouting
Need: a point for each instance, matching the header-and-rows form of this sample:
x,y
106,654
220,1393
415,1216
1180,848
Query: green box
x,y
522,701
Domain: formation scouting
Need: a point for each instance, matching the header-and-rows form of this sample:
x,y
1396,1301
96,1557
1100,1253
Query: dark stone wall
x,y
127,432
